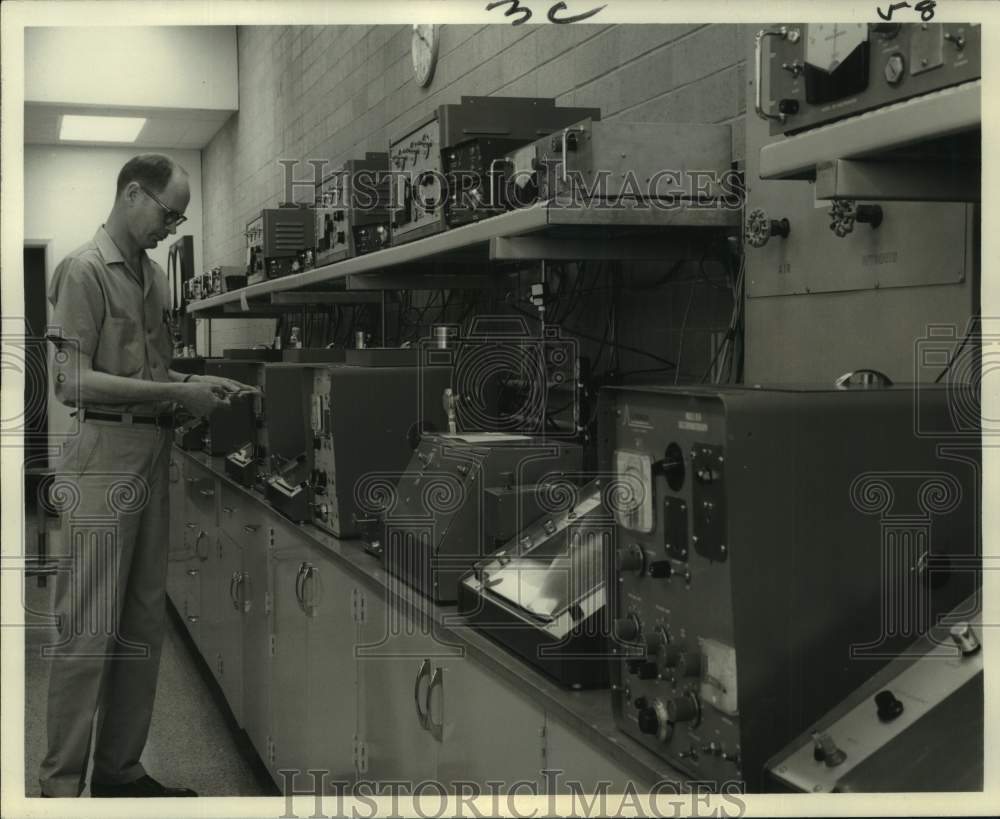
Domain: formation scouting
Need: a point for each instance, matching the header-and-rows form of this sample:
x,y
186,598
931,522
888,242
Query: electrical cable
x,y
581,334
680,344
973,323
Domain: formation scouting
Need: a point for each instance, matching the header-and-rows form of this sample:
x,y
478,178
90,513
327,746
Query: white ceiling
x,y
165,127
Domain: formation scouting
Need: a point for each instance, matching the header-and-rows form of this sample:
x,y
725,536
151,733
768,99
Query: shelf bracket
x,y
897,181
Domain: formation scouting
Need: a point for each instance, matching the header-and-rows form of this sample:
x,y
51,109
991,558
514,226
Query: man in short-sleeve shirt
x,y
112,363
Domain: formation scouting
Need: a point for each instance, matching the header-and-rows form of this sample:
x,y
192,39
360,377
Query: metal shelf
x,y
932,116
542,231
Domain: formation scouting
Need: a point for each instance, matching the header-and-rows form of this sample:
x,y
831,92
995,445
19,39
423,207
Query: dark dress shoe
x,y
144,786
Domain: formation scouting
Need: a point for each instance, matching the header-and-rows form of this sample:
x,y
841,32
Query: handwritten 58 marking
x,y
924,7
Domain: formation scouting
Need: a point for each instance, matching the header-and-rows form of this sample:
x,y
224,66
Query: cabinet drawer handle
x,y
207,493
245,591
197,545
190,525
250,529
193,618
423,673
437,681
192,572
313,583
191,480
233,587
228,510
299,581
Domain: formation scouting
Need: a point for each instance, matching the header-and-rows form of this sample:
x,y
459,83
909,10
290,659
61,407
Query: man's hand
x,y
201,398
231,387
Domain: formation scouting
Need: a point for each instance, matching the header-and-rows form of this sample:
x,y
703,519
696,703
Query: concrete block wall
x,y
333,93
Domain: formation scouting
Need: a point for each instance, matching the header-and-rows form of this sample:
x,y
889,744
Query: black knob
x,y
627,629
660,568
689,664
889,707
788,106
633,666
649,723
648,671
671,655
630,559
682,709
870,214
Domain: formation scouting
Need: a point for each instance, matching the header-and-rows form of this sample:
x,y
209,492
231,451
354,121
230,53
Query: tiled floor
x,y
193,741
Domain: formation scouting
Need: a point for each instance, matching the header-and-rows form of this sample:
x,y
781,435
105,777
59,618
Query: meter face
x,y
830,44
633,502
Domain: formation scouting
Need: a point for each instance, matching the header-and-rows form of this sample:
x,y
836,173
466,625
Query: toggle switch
x,y
660,568
826,750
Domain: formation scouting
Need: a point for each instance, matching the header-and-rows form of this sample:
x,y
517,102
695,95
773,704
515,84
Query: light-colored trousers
x,y
110,600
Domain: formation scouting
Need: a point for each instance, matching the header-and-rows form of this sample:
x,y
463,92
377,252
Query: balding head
x,y
152,171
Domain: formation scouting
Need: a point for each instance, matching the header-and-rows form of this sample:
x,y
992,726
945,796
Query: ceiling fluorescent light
x,y
100,129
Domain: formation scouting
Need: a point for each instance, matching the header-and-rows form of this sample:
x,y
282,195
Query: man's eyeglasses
x,y
170,217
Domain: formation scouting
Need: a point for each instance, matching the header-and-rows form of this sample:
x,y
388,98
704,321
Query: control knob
x,y
670,655
647,670
660,569
889,707
689,664
653,720
683,709
788,106
845,212
965,638
759,228
826,750
627,629
894,69
631,558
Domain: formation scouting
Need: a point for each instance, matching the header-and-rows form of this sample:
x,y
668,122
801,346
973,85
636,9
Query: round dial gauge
x,y
829,44
424,51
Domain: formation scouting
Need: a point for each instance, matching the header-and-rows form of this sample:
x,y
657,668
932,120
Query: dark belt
x,y
165,419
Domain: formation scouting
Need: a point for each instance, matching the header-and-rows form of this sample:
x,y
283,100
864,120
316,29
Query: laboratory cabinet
x,y
191,532
330,671
221,625
313,683
428,711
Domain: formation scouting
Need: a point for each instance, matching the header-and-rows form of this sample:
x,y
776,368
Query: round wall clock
x,y
424,50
